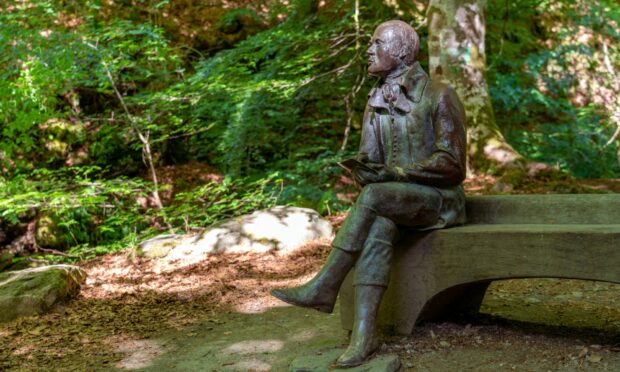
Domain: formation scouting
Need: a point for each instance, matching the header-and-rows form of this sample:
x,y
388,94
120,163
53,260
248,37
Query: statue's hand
x,y
364,177
383,174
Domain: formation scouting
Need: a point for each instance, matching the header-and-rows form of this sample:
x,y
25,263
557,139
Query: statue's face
x,y
380,61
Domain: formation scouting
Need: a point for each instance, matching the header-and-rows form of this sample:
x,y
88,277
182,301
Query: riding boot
x,y
321,291
373,265
363,338
372,274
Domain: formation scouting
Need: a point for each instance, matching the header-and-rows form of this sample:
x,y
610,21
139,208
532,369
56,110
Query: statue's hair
x,y
406,42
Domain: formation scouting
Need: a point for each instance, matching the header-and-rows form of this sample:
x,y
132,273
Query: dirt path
x,y
585,335
218,316
269,341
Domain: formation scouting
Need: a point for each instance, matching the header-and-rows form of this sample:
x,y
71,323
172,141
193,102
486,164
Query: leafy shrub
x,y
551,89
51,72
213,202
95,216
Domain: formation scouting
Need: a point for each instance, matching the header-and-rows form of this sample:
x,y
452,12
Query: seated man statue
x,y
411,164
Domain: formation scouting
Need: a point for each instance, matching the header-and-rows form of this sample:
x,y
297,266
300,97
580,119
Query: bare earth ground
x,y
218,316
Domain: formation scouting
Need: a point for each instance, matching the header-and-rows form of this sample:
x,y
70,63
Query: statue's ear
x,y
403,56
403,52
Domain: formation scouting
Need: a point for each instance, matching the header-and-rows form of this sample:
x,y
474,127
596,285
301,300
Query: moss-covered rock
x,y
37,290
62,140
61,129
157,247
48,234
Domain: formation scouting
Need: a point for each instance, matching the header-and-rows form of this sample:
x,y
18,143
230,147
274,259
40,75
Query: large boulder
x,y
159,246
37,290
281,229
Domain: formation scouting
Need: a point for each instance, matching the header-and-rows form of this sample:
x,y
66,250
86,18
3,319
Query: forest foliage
x,y
266,94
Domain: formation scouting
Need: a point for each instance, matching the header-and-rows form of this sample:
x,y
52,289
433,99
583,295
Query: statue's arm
x,y
447,164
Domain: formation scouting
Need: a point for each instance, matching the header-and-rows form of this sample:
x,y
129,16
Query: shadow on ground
x,y
267,341
218,316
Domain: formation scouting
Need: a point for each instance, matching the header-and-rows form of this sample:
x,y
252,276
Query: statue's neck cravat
x,y
389,96
399,92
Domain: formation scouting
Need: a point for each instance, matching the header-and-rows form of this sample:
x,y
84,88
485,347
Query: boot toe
x,y
347,360
293,297
284,295
354,356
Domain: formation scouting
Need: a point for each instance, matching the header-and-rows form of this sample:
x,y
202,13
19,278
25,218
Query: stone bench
x,y
506,237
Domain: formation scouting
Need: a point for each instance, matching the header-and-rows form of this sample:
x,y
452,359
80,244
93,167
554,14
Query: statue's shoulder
x,y
437,86
438,91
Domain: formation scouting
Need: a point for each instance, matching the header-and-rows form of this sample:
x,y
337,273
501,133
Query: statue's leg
x,y
373,265
407,204
371,279
395,204
320,292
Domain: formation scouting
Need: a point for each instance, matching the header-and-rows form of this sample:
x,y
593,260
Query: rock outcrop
x,y
281,229
37,290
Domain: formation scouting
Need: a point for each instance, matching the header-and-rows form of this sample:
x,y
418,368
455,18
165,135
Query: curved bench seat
x,y
438,271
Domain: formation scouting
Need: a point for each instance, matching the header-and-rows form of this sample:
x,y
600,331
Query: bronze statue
x,y
411,163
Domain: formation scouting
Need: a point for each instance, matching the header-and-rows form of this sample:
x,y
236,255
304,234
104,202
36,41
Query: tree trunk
x,y
457,56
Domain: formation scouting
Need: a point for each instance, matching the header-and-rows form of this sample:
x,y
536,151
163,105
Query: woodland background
x,y
122,119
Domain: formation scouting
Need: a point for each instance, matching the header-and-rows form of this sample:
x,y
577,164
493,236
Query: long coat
x,y
421,136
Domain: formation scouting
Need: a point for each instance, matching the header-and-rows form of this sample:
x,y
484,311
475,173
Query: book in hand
x,y
352,163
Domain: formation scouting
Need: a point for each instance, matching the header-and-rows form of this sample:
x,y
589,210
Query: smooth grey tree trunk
x,y
457,56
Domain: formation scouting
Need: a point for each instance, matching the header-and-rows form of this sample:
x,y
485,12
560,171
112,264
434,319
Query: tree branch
x,y
146,146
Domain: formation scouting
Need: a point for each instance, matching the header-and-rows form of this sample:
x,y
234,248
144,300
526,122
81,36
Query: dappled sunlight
x,y
26,349
248,342
280,230
123,119
303,336
140,353
538,179
225,276
250,365
255,346
126,308
260,304
556,302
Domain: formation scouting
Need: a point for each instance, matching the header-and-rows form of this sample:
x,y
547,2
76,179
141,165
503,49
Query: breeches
x,y
371,229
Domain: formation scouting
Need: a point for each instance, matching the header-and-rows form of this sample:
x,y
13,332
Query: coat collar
x,y
412,82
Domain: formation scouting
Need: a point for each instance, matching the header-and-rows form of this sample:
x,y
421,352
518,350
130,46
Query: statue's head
x,y
393,45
